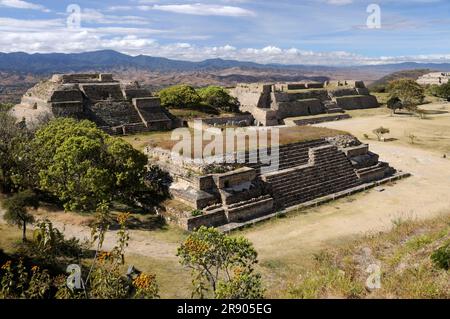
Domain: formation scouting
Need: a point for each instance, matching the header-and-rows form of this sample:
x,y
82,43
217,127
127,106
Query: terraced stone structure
x,y
229,194
271,104
434,78
117,108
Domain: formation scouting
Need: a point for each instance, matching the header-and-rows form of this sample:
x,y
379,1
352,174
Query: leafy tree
x,y
221,265
14,144
83,167
408,91
179,96
443,91
218,97
379,132
17,210
394,104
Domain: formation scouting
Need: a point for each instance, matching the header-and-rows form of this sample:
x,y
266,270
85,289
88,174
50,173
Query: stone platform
x,y
117,108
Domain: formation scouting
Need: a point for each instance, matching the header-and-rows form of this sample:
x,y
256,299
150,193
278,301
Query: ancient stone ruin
x,y
271,104
117,108
308,170
435,78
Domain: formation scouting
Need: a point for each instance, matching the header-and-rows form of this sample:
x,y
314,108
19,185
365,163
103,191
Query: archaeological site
x,y
272,104
309,165
434,78
117,108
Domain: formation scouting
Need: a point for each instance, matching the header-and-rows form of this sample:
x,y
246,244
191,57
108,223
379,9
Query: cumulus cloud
x,y
20,4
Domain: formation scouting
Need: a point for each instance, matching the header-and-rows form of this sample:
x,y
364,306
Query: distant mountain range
x,y
111,60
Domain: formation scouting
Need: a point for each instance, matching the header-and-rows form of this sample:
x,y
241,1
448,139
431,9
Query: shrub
x,y
179,96
441,257
221,265
196,213
379,132
219,98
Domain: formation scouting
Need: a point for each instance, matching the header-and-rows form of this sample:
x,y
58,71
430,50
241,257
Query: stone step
x,y
290,188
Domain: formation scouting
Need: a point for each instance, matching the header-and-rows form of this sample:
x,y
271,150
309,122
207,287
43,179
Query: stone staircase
x,y
290,156
326,171
331,107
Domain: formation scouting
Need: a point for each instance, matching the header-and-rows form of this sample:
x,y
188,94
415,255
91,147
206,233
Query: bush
x,y
179,96
441,257
221,265
196,213
379,132
219,98
394,104
442,91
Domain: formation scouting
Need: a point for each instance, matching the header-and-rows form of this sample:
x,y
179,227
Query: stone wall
x,y
238,120
357,102
300,108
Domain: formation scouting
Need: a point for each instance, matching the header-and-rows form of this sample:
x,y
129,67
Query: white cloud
x,y
201,9
95,16
19,4
339,2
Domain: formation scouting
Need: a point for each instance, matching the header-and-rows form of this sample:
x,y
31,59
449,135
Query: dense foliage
x,y
219,98
215,98
442,91
179,96
408,91
221,265
13,149
73,161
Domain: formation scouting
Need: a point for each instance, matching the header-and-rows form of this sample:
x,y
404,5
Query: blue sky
x,y
329,32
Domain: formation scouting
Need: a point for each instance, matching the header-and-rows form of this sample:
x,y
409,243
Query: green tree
x,y
179,96
14,144
408,91
394,104
444,91
221,265
218,97
17,210
83,167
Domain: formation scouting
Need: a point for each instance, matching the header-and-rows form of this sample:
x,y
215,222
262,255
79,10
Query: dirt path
x,y
141,242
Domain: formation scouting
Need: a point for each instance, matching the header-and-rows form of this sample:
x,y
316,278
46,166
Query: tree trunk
x,y
24,232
